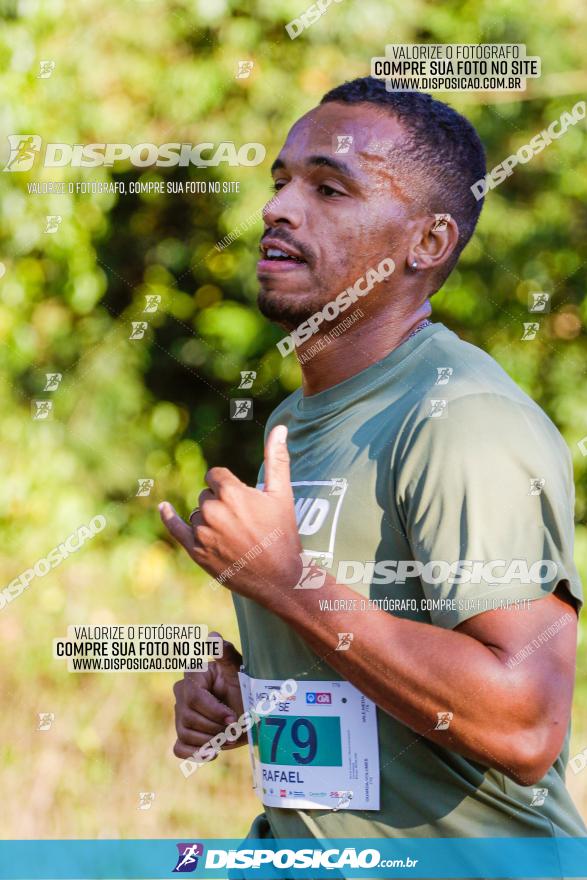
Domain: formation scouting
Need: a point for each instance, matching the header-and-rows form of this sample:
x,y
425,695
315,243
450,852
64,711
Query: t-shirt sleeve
x,y
486,496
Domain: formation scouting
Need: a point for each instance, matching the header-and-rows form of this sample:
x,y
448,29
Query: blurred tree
x,y
160,71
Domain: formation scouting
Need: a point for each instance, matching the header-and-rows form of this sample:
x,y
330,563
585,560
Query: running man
x,y
438,496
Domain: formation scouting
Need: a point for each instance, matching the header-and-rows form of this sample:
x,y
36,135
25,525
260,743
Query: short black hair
x,y
442,147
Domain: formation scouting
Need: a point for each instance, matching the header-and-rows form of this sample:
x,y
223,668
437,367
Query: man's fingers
x,y
176,526
230,656
204,702
187,719
219,478
210,513
181,750
193,738
208,505
277,472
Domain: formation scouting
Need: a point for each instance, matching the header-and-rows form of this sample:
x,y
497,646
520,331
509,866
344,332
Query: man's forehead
x,y
321,130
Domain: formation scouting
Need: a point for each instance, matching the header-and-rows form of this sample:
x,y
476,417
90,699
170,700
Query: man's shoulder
x,y
461,393
459,371
465,370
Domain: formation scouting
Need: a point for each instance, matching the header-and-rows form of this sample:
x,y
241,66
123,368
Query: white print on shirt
x,y
317,507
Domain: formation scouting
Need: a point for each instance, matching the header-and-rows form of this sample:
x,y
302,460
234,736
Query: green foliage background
x,y
156,71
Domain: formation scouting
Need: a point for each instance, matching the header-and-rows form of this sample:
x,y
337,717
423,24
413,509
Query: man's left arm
x,y
512,717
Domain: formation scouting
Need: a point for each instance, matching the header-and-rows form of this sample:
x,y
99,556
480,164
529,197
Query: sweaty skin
x,y
343,219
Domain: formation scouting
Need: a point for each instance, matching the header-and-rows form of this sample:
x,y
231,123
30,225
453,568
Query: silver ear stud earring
x,y
414,265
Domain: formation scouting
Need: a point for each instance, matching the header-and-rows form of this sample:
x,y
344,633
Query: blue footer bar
x,y
306,859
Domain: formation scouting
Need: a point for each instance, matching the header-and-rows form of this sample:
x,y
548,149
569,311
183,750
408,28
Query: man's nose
x,y
284,209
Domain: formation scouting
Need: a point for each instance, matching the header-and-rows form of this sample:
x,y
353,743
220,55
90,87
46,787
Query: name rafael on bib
x,y
282,776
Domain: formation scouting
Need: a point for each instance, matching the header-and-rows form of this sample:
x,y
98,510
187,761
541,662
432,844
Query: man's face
x,y
336,214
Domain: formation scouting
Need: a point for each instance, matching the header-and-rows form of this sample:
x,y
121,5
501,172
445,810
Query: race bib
x,y
314,749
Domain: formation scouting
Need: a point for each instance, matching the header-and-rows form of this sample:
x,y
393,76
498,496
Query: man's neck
x,y
326,361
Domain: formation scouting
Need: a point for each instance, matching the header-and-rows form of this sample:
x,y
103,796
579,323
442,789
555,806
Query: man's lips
x,y
279,256
265,267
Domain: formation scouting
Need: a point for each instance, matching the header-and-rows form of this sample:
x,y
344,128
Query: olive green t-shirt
x,y
382,470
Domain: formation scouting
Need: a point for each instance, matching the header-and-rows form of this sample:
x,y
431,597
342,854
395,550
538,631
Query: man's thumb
x,y
277,473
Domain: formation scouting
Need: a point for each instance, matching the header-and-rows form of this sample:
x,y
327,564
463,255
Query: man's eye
x,y
328,190
277,185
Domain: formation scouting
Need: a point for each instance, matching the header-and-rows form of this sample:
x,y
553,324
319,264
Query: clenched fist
x,y
207,702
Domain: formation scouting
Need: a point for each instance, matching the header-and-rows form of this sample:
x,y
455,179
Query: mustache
x,y
287,238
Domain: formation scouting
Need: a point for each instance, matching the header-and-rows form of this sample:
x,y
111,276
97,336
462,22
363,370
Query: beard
x,y
287,309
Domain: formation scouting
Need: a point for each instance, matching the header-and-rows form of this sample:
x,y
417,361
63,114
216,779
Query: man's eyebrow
x,y
335,164
320,161
277,165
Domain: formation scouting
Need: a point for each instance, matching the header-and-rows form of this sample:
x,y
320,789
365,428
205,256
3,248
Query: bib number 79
x,y
303,735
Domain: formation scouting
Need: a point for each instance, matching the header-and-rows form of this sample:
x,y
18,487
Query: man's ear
x,y
434,240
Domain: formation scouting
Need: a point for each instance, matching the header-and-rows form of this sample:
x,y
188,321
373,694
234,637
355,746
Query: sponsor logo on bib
x,y
322,698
